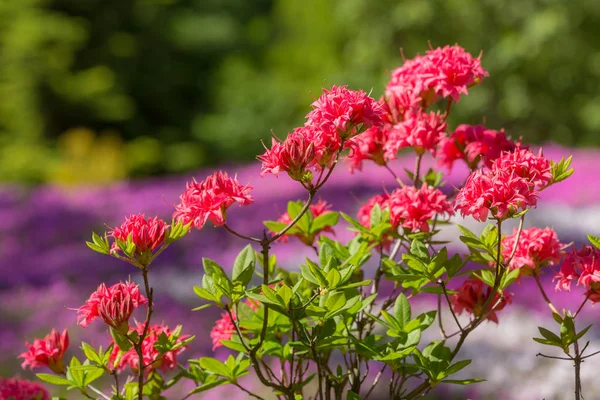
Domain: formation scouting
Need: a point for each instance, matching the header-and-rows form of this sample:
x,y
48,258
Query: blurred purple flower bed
x,y
47,269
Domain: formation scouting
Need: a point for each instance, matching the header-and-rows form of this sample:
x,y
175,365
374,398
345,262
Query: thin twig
x,y
375,381
443,285
250,238
544,295
398,180
582,304
248,392
556,358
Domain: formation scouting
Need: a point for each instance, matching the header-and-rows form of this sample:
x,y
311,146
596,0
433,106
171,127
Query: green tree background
x,y
97,90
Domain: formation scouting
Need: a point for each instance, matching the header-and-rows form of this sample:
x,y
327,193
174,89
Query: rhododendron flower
x,y
412,208
369,145
399,103
473,294
114,305
501,193
422,132
223,330
343,110
152,359
583,265
536,248
209,200
446,72
316,209
534,168
473,144
294,155
146,234
47,352
21,389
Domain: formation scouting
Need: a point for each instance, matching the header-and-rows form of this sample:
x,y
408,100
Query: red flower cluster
x,y
473,144
341,110
412,208
209,200
21,389
114,305
534,168
47,352
536,248
224,328
339,114
150,356
421,131
146,234
472,296
442,72
583,266
316,209
369,145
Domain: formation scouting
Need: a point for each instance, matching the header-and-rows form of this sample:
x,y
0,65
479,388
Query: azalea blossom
x,y
500,192
534,168
584,267
21,389
294,155
422,132
151,357
412,208
343,110
146,234
209,200
535,248
472,296
223,330
114,305
369,145
47,352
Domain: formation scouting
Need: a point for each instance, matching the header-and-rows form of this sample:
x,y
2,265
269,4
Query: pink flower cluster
x,y
421,131
316,209
511,184
412,208
114,305
584,267
146,234
338,115
209,200
473,144
47,352
535,248
369,145
472,296
151,357
21,389
224,328
442,72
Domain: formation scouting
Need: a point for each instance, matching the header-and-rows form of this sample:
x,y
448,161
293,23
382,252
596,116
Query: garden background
x,y
107,107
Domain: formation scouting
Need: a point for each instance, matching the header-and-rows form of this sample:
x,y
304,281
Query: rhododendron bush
x,y
324,330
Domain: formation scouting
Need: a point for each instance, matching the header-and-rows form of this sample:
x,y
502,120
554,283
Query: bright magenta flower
x,y
146,234
583,265
114,305
209,200
422,132
150,355
223,330
534,168
473,144
399,103
47,352
501,193
412,208
343,110
369,145
21,389
445,72
316,209
294,155
472,296
535,249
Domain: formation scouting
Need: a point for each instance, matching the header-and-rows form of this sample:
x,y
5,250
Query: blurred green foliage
x,y
98,90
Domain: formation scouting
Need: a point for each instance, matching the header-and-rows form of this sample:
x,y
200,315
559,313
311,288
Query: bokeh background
x,y
107,107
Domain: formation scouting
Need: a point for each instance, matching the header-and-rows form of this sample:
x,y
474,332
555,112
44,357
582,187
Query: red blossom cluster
x,y
47,352
21,389
224,328
472,296
535,248
209,200
114,305
412,208
582,266
152,358
146,234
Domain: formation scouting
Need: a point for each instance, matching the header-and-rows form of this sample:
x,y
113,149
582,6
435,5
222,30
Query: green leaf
x,y
418,248
333,278
357,225
550,336
121,341
375,217
454,368
316,272
463,381
55,380
323,221
215,366
208,385
204,294
294,208
594,240
402,310
243,266
350,395
335,301
583,332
